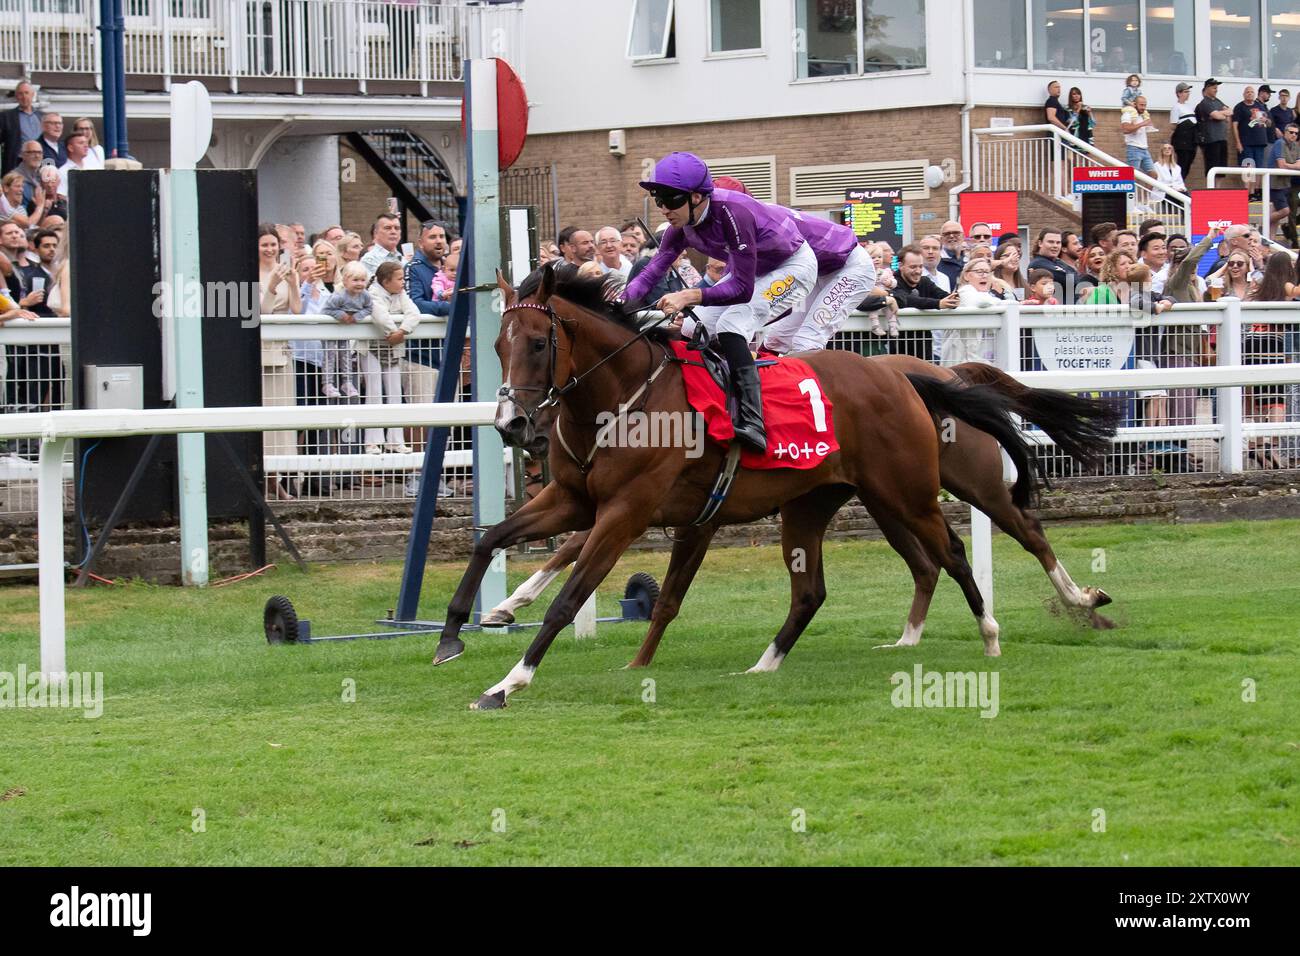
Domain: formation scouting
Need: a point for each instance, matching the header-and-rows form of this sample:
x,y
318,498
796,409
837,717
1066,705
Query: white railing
x,y
1041,158
1217,421
420,41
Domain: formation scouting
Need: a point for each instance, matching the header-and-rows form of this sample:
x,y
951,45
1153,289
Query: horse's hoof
x,y
497,619
992,650
882,647
1101,599
495,701
449,648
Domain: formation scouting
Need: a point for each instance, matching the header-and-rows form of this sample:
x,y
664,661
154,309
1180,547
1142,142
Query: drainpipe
x,y
968,80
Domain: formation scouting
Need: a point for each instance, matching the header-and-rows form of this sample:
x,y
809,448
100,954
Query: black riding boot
x,y
746,396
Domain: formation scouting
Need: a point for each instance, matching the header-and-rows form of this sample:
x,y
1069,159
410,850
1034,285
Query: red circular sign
x,y
512,115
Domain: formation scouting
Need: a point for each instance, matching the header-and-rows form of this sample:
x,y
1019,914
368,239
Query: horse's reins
x,y
554,393
721,485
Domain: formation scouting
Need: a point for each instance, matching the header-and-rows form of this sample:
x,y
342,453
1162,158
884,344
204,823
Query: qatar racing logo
x,y
779,288
832,301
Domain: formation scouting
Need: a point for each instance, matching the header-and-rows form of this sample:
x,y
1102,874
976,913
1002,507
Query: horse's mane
x,y
587,292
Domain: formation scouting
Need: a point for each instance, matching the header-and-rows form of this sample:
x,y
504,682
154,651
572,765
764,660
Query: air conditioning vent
x,y
758,173
825,185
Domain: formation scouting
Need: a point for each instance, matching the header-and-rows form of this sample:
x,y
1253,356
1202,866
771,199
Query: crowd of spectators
x,y
1264,135
336,275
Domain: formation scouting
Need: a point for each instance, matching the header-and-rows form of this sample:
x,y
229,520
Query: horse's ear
x,y
547,288
506,288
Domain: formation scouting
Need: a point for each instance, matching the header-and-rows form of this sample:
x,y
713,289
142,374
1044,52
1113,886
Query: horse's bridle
x,y
556,392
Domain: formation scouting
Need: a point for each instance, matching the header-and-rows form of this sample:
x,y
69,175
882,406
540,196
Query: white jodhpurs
x,y
785,287
821,315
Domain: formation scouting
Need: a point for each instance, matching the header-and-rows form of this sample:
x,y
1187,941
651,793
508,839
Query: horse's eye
x,y
539,344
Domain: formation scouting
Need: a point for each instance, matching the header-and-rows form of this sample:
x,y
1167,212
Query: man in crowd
x,y
79,157
1282,115
46,242
1252,131
32,157
19,125
630,245
1289,158
1126,240
576,245
931,254
1135,122
1103,234
609,252
1153,254
332,234
422,268
1071,250
386,233
953,259
1235,239
1047,255
1178,248
981,234
915,289
632,230
1213,117
52,138
299,234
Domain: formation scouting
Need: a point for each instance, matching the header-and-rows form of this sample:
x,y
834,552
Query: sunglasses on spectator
x,y
951,233
982,236
1236,265
669,198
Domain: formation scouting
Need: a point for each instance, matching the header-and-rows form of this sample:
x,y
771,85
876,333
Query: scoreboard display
x,y
875,215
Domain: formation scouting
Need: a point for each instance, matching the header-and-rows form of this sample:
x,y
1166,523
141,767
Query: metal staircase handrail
x,y
1061,136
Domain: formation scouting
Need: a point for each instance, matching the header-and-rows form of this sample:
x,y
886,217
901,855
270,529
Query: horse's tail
x,y
988,409
1080,427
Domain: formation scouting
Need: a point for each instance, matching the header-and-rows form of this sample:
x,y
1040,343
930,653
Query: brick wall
x,y
598,189
365,196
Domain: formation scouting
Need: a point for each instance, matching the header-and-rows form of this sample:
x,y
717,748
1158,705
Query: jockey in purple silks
x,y
845,275
770,266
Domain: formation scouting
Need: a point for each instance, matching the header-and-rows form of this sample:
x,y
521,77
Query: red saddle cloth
x,y
796,413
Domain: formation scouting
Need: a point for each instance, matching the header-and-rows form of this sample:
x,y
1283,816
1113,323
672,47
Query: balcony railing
x,y
415,41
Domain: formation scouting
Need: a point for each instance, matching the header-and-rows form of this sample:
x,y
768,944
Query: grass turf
x,y
1146,724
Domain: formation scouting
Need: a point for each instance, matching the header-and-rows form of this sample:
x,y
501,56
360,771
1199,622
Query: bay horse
x,y
970,467
567,355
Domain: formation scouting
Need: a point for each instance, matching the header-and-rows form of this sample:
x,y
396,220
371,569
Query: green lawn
x,y
1146,723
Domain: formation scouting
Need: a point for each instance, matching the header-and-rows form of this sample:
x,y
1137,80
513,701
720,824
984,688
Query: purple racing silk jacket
x,y
753,238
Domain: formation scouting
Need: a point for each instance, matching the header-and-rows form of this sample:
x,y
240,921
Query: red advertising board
x,y
1219,207
998,209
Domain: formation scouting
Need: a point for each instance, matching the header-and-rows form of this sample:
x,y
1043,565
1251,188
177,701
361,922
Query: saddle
x,y
713,361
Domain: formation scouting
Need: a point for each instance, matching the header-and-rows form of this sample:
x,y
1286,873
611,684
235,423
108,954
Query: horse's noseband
x,y
553,393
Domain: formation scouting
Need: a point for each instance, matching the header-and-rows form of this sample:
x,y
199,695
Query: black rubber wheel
x,y
643,589
280,621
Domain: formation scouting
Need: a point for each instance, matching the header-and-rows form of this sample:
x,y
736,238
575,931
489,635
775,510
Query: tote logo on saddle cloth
x,y
796,415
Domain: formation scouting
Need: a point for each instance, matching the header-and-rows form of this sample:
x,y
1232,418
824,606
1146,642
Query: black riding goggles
x,y
666,198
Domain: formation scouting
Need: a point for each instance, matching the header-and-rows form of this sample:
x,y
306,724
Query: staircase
x,y
415,173
1038,162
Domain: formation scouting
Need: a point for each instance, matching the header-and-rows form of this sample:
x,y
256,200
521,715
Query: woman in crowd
x,y
1006,266
1080,123
548,251
95,157
978,289
1232,280
308,358
350,249
1112,281
59,298
1168,172
1264,343
278,294
1182,120
12,206
50,204
1089,275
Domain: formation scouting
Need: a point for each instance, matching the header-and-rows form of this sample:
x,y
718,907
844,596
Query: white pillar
x,y
49,498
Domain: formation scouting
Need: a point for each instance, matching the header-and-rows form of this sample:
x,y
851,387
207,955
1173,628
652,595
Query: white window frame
x,y
662,55
710,54
861,73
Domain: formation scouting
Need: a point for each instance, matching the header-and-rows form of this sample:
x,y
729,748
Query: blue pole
x,y
108,75
119,64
